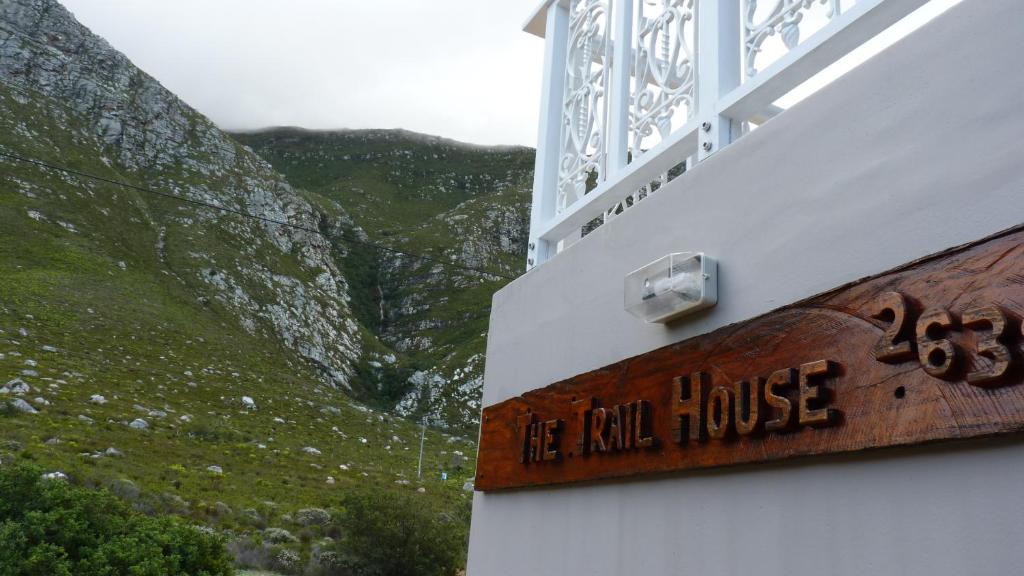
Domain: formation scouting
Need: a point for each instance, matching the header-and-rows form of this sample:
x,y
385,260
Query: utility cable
x,y
32,93
244,214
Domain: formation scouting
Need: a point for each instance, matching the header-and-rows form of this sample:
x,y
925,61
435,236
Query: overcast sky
x,y
461,69
457,68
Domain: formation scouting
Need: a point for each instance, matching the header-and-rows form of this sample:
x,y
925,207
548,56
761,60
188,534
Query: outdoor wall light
x,y
671,286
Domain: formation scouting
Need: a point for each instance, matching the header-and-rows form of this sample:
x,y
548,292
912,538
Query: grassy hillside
x,y
93,304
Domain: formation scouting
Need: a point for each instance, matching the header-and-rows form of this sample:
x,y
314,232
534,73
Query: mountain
x,y
280,282
450,201
234,369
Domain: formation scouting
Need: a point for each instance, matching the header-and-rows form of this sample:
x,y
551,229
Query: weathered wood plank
x,y
928,352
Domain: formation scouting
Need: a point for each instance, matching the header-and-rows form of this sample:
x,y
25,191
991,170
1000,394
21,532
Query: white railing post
x,y
619,98
545,178
718,71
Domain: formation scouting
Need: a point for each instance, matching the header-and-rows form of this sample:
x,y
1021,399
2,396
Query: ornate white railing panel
x,y
777,18
664,71
585,106
636,91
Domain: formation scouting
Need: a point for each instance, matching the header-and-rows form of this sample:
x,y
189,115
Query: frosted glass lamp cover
x,y
671,286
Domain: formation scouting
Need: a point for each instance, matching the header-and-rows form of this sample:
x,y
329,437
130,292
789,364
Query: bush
x,y
53,528
251,553
399,534
313,517
279,536
286,560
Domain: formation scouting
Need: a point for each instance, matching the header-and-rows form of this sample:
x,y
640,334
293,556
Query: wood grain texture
x,y
844,371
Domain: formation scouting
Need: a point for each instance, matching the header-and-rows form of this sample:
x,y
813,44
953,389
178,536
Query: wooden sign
x,y
931,351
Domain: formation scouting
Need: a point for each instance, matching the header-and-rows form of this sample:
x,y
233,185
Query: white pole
x,y
423,437
619,97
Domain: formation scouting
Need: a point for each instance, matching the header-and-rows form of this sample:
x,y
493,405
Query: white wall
x,y
948,512
917,150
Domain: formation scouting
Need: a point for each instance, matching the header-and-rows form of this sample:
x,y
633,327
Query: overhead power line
x,y
32,93
29,92
244,214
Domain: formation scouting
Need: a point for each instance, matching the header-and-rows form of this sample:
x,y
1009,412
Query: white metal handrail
x,y
637,90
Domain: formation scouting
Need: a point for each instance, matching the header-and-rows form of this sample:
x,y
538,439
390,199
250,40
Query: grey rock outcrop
x,y
22,406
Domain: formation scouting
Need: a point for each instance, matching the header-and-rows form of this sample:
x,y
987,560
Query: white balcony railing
x,y
637,91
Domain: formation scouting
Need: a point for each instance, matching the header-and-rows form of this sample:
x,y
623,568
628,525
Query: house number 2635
x,y
928,338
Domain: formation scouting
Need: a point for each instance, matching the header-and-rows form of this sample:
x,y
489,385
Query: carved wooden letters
x,y
928,352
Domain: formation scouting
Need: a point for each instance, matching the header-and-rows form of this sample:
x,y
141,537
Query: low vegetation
x,y
52,527
49,527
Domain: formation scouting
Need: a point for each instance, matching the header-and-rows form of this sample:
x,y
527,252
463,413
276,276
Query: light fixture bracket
x,y
672,286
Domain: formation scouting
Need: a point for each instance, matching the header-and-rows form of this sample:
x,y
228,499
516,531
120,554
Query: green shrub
x,y
401,534
53,528
313,517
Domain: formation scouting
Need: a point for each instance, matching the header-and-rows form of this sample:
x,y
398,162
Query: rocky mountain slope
x,y
451,201
279,281
204,363
397,332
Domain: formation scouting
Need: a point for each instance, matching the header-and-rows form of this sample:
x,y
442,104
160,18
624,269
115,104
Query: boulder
x,y
22,406
16,386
